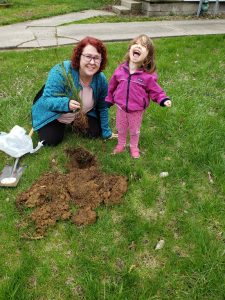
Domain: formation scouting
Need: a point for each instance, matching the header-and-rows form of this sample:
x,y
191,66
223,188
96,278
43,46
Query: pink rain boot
x,y
134,152
118,149
122,126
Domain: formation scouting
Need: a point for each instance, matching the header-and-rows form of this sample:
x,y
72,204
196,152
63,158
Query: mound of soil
x,y
56,196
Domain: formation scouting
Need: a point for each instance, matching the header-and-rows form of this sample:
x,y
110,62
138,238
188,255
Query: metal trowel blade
x,y
7,179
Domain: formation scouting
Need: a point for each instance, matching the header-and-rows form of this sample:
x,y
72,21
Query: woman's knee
x,y
52,134
51,140
94,127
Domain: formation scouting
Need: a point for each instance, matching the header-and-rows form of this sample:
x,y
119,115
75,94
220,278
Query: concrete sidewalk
x,y
48,32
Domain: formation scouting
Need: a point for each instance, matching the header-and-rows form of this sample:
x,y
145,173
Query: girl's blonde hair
x,y
149,62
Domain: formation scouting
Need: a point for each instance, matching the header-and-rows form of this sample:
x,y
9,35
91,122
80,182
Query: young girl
x,y
131,87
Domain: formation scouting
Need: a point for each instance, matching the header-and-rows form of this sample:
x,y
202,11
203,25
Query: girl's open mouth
x,y
136,53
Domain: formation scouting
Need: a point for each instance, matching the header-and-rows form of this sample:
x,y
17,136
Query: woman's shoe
x,y
134,152
118,149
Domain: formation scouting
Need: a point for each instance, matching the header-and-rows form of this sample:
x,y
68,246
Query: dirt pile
x,y
72,196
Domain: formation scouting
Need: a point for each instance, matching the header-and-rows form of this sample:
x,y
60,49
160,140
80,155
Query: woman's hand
x,y
168,103
113,136
74,105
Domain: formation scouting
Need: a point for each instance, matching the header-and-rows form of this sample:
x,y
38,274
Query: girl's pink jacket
x,y
132,92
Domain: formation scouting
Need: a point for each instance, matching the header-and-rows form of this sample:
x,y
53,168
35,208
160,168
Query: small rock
x,y
132,246
164,174
160,245
210,177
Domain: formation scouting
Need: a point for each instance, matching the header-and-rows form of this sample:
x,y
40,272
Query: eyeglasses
x,y
88,58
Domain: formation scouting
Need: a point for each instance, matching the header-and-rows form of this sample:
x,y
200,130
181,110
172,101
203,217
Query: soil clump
x,y
73,196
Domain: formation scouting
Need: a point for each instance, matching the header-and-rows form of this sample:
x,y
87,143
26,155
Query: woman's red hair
x,y
78,50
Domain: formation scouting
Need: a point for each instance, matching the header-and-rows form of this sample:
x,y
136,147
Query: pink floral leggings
x,y
128,122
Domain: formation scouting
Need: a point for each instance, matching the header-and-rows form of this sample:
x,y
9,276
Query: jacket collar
x,y
126,68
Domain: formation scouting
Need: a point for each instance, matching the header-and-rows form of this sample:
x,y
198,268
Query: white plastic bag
x,y
16,143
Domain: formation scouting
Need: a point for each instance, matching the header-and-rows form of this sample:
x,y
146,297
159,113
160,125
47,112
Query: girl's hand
x,y
168,103
74,105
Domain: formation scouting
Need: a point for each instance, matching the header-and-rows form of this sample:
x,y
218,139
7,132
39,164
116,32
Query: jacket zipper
x,y
128,91
144,103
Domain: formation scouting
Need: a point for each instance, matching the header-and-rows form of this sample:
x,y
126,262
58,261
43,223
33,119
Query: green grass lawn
x,y
23,10
115,258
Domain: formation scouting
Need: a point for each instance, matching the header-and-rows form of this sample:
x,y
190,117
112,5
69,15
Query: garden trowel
x,y
10,175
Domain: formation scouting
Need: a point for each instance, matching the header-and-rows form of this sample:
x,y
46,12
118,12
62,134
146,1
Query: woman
x,y
57,105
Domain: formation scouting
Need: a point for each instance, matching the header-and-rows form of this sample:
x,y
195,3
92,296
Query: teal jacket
x,y
57,94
